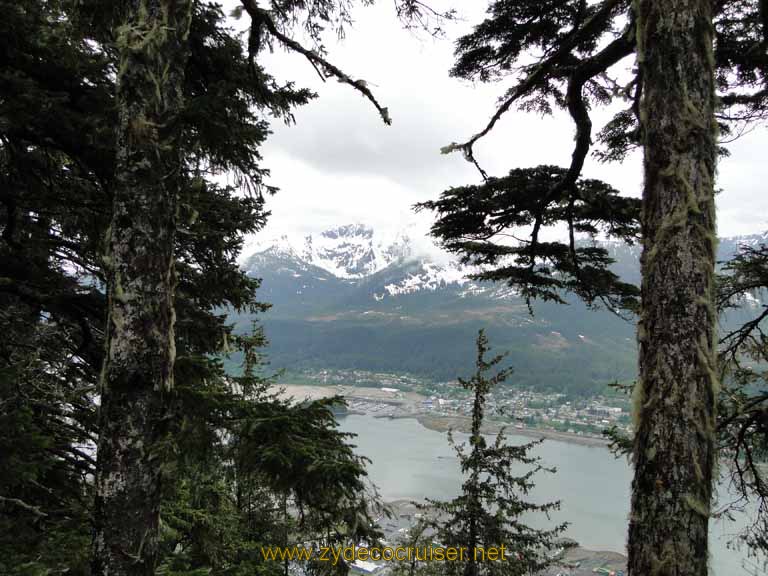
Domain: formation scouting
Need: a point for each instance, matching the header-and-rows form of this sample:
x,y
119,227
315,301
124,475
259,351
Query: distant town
x,y
402,395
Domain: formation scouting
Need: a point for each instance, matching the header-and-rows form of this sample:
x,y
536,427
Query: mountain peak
x,y
349,231
349,251
352,251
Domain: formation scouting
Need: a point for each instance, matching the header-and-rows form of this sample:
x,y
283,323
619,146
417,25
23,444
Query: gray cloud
x,y
339,163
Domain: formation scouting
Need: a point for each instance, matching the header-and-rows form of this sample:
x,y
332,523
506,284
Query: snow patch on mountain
x,y
354,261
351,251
431,277
750,240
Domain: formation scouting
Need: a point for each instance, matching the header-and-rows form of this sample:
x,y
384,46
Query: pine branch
x,y
258,15
21,504
540,72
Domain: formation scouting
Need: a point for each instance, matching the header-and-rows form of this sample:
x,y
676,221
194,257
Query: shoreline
x,y
463,424
404,407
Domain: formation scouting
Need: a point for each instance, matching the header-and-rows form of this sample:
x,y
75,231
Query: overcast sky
x,y
339,163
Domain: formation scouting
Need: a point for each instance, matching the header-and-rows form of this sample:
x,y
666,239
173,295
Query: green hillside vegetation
x,y
319,321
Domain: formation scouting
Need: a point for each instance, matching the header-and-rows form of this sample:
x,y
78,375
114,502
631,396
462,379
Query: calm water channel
x,y
412,462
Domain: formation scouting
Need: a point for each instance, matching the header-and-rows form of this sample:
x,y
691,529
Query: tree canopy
x,y
222,436
576,56
492,509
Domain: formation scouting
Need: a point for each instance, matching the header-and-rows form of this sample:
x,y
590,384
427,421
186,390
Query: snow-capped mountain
x,y
427,276
390,267
353,298
354,258
351,251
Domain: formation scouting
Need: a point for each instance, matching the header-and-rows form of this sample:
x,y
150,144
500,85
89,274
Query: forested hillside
x,y
408,312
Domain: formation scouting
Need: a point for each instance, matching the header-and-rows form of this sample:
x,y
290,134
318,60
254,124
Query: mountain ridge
x,y
357,300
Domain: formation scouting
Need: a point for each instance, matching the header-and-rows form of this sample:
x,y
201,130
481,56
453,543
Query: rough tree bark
x,y
138,370
675,396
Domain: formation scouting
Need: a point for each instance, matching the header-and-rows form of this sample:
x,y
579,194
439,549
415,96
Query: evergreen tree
x,y
585,50
581,45
55,152
489,511
58,169
674,397
152,42
256,471
471,219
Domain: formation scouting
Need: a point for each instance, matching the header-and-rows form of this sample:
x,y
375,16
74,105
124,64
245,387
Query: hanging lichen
x,y
674,400
141,351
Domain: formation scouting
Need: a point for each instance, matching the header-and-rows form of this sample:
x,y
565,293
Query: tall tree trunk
x,y
675,396
138,371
